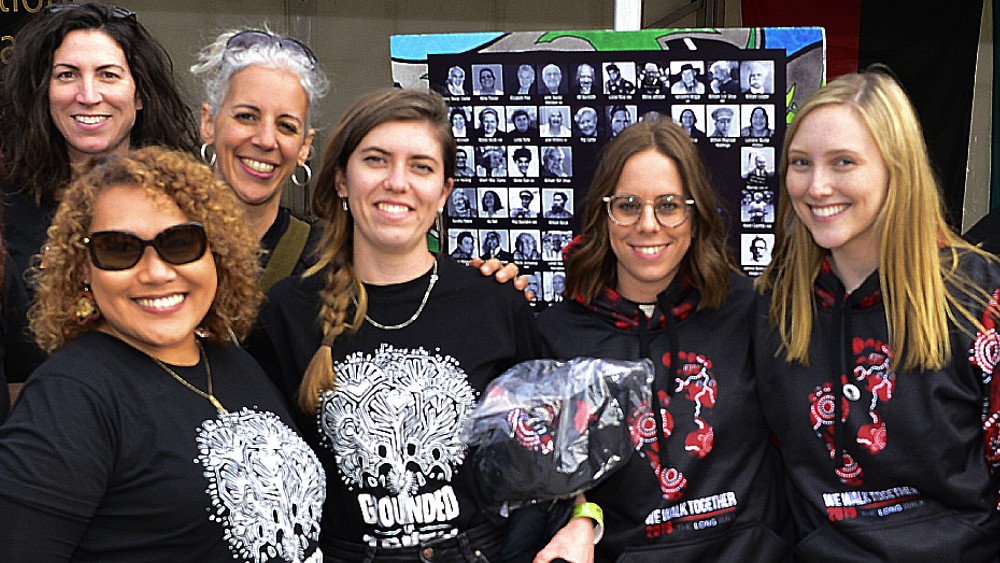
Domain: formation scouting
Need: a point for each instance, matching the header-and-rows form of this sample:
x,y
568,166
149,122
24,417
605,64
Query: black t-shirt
x,y
388,435
24,231
107,458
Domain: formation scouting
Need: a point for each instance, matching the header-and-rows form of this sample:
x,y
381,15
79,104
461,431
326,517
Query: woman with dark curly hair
x,y
141,312
85,80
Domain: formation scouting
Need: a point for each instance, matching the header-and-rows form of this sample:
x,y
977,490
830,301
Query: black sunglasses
x,y
249,38
117,250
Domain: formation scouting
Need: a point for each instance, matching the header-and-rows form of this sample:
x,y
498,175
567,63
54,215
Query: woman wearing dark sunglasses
x,y
149,434
651,277
85,80
260,92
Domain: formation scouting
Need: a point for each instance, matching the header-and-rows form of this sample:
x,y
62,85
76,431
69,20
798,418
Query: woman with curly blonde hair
x,y
148,279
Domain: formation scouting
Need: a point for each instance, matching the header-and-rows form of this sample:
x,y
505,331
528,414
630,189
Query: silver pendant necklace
x,y
420,309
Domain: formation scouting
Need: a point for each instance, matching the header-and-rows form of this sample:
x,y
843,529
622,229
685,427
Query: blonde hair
x,y
192,187
911,227
343,287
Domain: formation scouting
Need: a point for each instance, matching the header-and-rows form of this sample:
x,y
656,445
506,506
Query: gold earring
x,y
86,308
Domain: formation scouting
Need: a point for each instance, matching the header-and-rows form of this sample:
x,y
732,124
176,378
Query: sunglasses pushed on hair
x,y
118,250
114,12
253,37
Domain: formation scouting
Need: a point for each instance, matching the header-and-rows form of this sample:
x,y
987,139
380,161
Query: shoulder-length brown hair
x,y
189,184
591,265
35,157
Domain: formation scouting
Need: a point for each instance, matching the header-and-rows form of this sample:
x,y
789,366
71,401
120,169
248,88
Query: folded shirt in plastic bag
x,y
549,429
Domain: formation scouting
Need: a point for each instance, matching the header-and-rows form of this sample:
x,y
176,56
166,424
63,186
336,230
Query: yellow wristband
x,y
594,512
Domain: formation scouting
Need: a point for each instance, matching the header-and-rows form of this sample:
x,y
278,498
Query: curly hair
x,y
35,156
343,287
192,187
591,264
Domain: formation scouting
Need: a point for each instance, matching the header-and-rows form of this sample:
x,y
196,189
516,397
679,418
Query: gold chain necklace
x,y
208,374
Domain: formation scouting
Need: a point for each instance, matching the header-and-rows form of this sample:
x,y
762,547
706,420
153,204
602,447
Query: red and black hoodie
x,y
887,466
704,484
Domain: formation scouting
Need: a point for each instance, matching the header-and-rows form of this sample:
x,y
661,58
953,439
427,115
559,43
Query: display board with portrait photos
x,y
530,127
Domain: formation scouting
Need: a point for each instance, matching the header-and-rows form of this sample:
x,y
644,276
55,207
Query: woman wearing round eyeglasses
x,y
86,80
260,91
651,277
148,434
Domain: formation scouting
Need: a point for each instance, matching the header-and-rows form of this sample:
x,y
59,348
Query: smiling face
x,y
460,201
587,122
259,133
758,119
648,254
153,306
458,120
522,164
837,182
92,95
555,120
487,80
395,183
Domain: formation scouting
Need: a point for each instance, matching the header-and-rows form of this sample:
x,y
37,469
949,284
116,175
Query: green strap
x,y
286,254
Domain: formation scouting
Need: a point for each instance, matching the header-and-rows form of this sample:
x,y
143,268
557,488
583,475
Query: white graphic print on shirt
x,y
266,484
393,424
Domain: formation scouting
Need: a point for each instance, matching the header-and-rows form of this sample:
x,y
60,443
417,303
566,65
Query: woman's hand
x,y
573,543
503,274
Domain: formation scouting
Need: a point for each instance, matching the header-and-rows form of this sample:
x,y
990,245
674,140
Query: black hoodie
x,y
707,489
911,482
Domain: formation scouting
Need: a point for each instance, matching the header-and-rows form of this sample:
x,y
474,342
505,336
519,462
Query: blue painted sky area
x,y
792,39
416,47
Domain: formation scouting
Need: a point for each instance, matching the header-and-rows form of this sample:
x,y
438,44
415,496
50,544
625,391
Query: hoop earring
x,y
309,175
86,308
209,160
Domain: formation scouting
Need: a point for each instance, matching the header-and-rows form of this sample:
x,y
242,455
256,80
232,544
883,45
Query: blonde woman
x,y
878,340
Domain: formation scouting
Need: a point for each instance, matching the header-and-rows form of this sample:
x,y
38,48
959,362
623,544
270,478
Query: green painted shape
x,y
791,108
642,40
